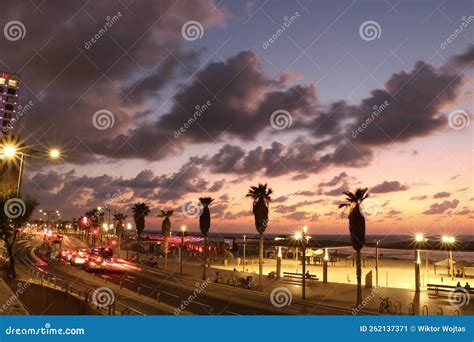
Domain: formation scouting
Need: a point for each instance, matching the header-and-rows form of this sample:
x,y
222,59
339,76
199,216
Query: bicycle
x,y
385,305
233,280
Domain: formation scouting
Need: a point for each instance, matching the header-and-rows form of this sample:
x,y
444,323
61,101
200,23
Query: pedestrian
x,y
238,261
467,287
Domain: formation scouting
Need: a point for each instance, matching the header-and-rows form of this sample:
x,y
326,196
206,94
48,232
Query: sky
x,y
168,101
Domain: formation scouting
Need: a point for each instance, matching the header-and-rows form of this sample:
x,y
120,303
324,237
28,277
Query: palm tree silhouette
x,y
119,219
204,226
166,230
261,201
140,211
357,229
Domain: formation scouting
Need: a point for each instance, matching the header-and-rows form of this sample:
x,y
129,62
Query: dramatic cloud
x,y
442,194
386,186
77,59
466,58
419,198
235,98
336,180
439,208
411,105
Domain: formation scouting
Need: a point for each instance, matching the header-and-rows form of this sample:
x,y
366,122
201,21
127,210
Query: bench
x,y
291,275
440,289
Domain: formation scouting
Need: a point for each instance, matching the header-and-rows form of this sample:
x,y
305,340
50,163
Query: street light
x,y
419,239
245,240
183,229
449,241
54,153
302,236
9,151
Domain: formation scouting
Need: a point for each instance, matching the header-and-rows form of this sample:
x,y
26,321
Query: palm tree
x,y
119,219
166,230
356,229
140,211
204,226
261,201
9,225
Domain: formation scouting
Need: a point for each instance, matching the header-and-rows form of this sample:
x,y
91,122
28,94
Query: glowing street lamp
x,y
301,236
54,153
419,237
449,241
181,250
9,151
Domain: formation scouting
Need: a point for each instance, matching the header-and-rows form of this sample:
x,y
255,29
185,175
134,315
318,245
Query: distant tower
x,y
9,88
10,170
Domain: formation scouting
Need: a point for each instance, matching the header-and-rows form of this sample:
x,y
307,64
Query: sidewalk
x,y
404,301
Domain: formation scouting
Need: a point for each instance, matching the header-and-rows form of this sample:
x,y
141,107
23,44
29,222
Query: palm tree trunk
x,y
359,277
119,245
11,271
138,248
260,264
165,266
205,258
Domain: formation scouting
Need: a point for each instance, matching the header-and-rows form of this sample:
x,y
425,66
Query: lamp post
x,y
449,241
12,151
129,227
243,266
377,262
302,237
419,239
181,250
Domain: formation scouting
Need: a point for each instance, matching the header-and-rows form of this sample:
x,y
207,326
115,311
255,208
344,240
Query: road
x,y
174,290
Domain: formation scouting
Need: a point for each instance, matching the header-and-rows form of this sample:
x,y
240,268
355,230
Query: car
x,y
94,264
80,257
65,254
104,252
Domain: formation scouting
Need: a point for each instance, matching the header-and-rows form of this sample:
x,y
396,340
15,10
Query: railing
x,y
82,291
